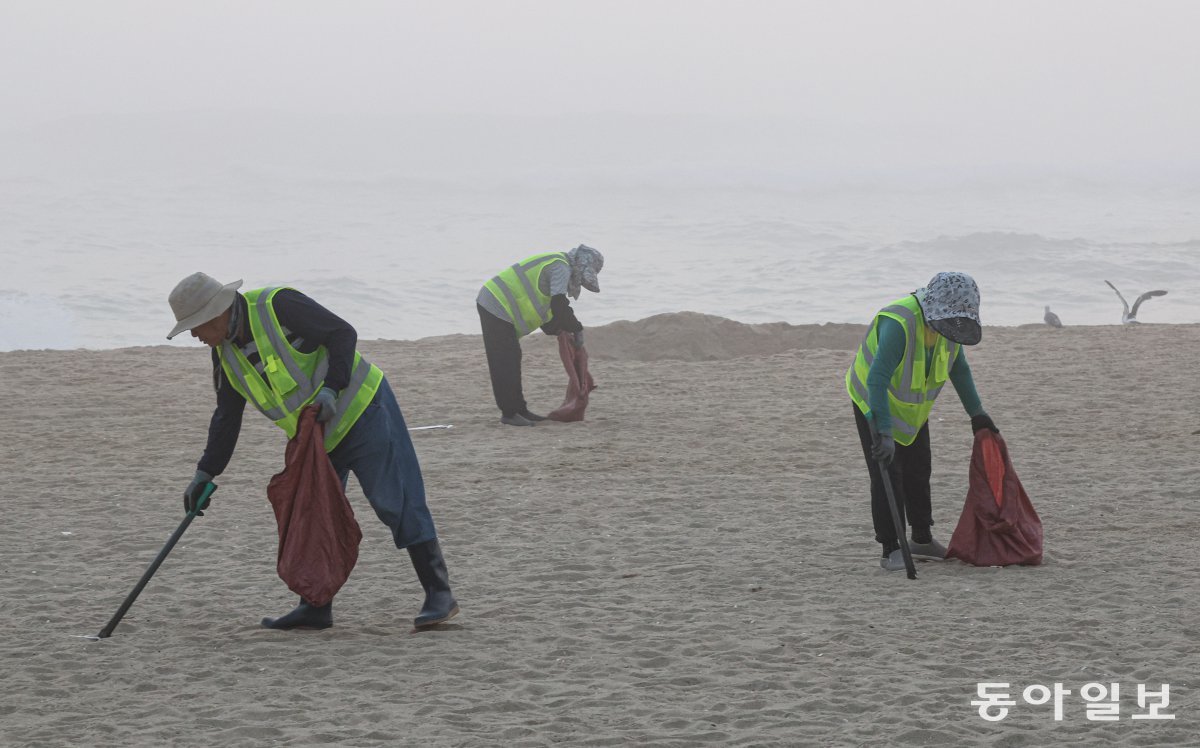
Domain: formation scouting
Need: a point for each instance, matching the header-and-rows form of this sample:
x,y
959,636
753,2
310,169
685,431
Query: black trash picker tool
x,y
162,555
901,535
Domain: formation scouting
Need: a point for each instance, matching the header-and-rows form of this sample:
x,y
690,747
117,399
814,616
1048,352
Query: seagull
x,y
1129,317
1052,318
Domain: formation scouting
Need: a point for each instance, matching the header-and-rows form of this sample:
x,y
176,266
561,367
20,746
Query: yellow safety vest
x,y
916,382
293,378
517,290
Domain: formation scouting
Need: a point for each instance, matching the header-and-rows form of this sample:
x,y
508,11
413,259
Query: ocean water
x,y
89,262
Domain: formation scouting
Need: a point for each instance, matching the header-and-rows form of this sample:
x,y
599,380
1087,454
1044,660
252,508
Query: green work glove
x,y
325,400
195,490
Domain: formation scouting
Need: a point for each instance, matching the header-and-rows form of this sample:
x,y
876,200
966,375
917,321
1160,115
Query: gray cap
x,y
950,303
199,298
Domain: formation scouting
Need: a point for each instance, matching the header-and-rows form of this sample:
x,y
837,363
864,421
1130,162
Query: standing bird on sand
x,y
1129,316
1052,319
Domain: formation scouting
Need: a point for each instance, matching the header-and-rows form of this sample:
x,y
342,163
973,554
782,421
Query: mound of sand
x,y
689,336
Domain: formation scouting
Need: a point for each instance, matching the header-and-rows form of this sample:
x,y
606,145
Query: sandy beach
x,y
692,565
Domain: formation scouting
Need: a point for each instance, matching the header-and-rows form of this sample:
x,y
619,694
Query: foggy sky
x,y
1088,86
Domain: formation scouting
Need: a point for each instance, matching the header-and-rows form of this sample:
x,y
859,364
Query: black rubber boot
x,y
305,616
440,604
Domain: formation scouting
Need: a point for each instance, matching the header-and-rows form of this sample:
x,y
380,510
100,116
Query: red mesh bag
x,y
318,535
579,381
999,525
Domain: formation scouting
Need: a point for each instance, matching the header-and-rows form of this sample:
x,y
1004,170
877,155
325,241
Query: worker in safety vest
x,y
526,296
913,346
281,351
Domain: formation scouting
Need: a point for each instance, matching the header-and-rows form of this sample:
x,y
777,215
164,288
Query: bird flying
x,y
1129,316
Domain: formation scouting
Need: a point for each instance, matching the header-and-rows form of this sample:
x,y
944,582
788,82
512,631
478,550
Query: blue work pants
x,y
380,452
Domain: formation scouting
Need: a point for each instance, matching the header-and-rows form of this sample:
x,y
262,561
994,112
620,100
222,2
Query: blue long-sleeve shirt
x,y
891,339
304,318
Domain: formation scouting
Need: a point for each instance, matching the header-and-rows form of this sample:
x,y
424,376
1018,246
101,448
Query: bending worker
x,y
913,346
531,294
281,351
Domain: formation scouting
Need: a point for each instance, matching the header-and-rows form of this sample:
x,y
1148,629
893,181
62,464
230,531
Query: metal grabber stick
x,y
898,523
175,536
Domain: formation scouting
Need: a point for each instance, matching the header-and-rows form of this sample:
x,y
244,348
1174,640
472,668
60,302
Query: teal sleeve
x,y
964,384
890,353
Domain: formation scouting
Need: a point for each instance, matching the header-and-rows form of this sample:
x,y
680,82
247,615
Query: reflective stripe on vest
x,y
915,383
517,290
286,379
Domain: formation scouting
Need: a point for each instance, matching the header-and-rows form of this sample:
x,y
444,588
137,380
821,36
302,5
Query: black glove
x,y
563,316
883,446
983,421
325,400
195,490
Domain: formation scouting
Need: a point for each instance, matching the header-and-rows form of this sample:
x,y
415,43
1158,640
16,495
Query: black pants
x,y
504,361
909,473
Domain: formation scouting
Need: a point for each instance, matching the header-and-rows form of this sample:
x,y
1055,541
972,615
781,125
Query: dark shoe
x,y
531,416
931,551
440,604
516,420
305,616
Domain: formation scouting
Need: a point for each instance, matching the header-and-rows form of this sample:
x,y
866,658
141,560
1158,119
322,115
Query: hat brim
x,y
213,309
590,281
961,330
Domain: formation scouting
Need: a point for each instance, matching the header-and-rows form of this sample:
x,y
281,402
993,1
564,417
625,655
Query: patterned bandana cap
x,y
585,264
950,303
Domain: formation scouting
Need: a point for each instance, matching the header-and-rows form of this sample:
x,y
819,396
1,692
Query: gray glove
x,y
194,490
324,400
883,446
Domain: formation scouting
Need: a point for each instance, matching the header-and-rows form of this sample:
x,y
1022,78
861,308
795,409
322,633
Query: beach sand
x,y
692,565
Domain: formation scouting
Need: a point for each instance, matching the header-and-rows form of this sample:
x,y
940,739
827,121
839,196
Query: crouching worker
x,y
531,294
281,351
913,346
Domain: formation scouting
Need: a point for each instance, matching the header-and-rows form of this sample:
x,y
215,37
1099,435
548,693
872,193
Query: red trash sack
x,y
318,535
579,381
999,525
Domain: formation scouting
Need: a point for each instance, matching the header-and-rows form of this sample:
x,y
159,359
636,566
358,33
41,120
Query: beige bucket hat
x,y
197,299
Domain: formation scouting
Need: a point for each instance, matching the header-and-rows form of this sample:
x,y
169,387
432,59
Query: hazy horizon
x,y
798,92
763,161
